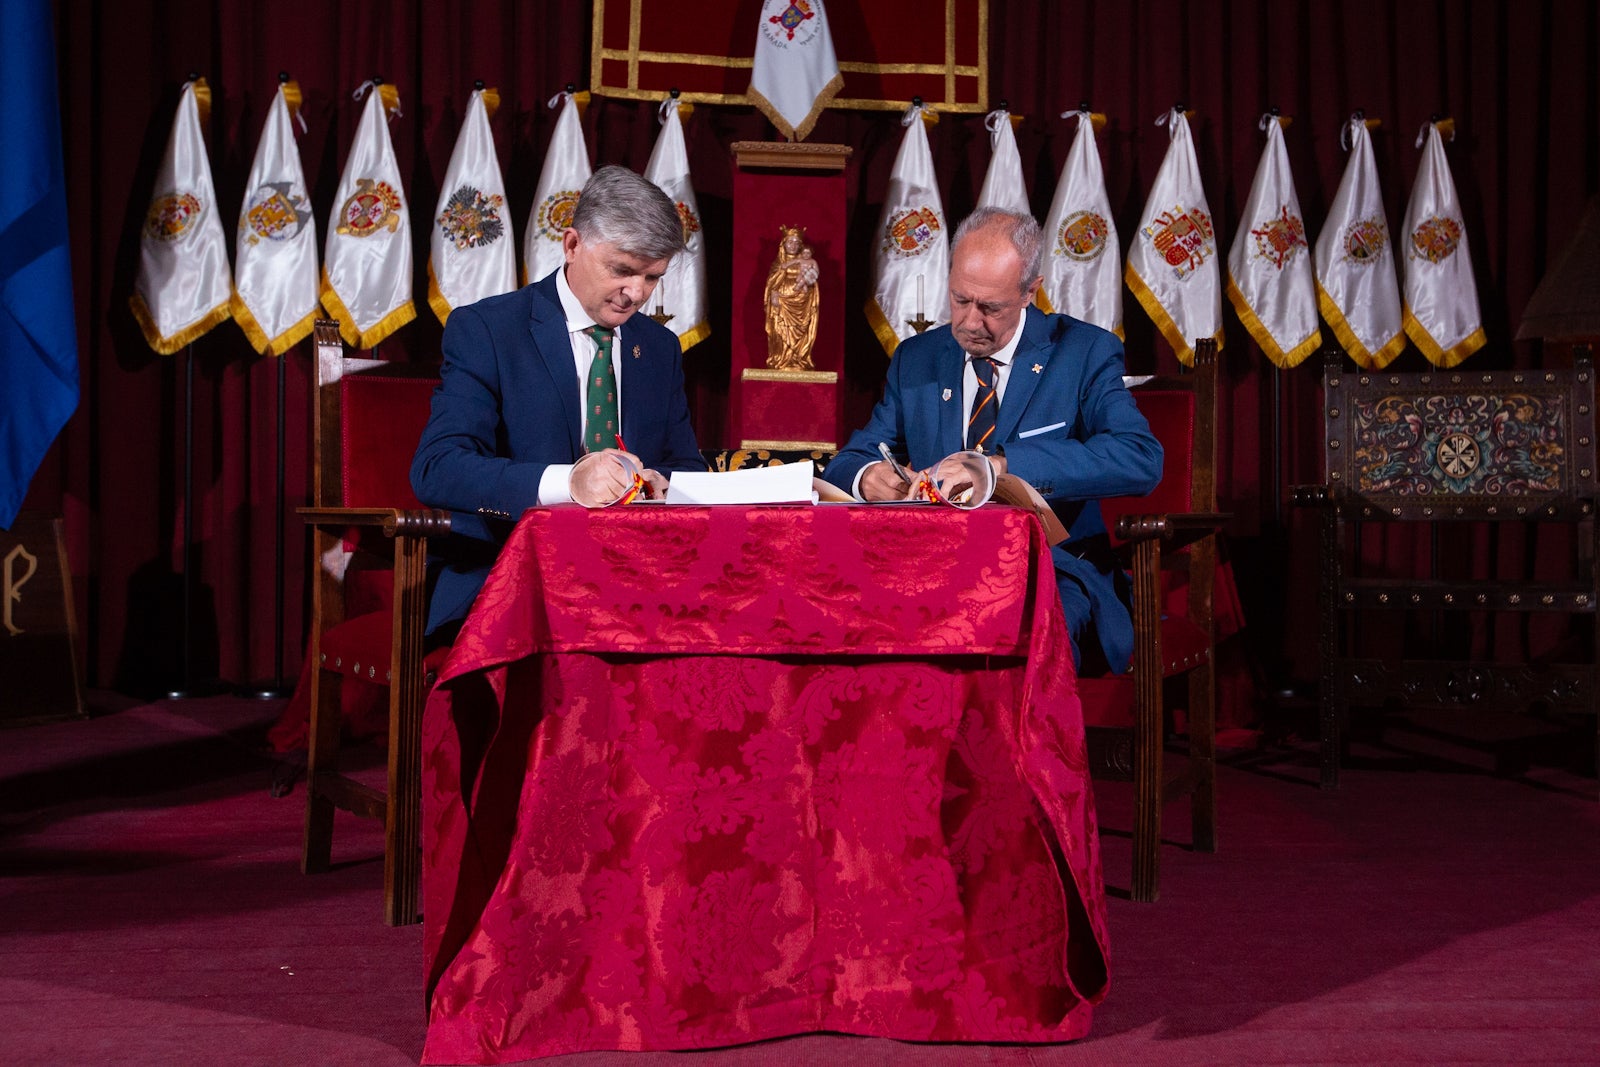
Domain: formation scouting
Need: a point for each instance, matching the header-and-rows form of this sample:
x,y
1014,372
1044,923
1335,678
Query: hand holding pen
x,y
889,480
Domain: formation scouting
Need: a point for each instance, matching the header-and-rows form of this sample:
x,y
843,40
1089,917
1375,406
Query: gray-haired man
x,y
540,387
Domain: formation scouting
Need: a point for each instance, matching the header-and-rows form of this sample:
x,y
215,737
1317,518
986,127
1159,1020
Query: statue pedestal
x,y
789,409
779,184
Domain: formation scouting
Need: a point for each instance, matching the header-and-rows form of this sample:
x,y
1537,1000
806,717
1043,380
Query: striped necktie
x,y
985,406
600,408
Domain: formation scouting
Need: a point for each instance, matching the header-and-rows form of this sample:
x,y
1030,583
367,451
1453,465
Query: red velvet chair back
x,y
381,419
1170,413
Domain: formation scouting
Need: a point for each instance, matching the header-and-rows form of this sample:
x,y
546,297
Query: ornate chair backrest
x,y
1460,445
369,416
1181,411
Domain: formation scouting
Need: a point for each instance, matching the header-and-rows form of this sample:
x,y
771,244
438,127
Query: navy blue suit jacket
x,y
507,407
1069,428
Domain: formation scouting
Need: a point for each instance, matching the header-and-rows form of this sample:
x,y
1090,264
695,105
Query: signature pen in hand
x,y
888,457
639,483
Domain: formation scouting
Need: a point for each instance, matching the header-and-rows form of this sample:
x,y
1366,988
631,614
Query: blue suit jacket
x,y
1069,428
507,407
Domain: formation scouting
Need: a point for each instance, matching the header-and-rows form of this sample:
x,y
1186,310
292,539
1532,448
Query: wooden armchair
x,y
1168,538
1445,448
368,417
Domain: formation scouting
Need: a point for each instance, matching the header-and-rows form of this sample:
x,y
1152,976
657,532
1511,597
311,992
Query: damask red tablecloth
x,y
700,776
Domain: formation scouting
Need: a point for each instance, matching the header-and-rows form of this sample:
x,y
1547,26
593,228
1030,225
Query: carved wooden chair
x,y
1170,543
1451,447
368,415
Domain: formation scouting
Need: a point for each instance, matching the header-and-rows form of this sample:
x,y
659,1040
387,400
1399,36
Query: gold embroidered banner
x,y
888,52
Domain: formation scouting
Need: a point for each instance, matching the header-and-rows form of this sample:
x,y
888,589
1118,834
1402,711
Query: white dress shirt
x,y
555,485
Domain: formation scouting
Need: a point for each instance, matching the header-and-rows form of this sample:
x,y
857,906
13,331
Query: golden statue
x,y
791,302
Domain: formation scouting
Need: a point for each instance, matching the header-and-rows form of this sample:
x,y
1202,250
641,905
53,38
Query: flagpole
x,y
275,690
1275,418
182,692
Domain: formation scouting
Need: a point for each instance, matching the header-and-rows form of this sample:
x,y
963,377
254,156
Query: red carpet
x,y
151,911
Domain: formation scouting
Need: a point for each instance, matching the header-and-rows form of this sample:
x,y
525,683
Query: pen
x,y
888,457
639,484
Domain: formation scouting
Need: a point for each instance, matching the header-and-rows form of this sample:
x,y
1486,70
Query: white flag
x,y
795,72
911,261
1441,295
1172,263
681,293
275,276
566,168
1083,261
1003,186
1356,286
1269,267
366,268
183,286
470,251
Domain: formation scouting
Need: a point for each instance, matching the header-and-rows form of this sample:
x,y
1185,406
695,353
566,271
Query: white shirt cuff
x,y
855,485
555,484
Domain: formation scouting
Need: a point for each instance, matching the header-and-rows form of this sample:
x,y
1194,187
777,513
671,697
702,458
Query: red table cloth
x,y
700,776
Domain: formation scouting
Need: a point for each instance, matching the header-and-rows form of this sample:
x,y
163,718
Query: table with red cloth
x,y
700,776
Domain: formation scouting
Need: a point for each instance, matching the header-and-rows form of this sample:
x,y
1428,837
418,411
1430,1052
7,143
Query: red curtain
x,y
1521,80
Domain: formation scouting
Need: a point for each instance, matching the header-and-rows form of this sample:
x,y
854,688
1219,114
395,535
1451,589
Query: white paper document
x,y
789,483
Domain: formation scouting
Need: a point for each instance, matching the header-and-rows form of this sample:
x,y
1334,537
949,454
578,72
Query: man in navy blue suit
x,y
1041,395
541,387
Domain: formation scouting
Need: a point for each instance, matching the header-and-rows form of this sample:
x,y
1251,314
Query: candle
x,y
919,296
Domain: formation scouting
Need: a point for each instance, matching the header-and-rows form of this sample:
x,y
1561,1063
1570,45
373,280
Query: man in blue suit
x,y
1041,395
541,387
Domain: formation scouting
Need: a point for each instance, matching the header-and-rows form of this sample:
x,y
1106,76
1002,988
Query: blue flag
x,y
38,338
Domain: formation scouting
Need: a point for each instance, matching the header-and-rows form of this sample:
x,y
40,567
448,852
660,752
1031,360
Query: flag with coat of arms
x,y
470,245
911,257
1083,261
794,71
1270,281
1172,263
566,168
1356,287
275,255
1003,184
184,286
1441,294
680,296
366,267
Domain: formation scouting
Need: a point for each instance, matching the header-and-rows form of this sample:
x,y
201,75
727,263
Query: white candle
x,y
919,296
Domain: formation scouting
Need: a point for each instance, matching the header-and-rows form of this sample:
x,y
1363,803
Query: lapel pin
x,y
947,394
1037,367
635,351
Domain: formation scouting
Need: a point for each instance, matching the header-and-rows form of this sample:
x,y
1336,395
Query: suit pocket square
x,y
1042,429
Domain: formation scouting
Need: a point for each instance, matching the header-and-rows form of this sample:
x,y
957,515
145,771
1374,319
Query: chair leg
x,y
322,757
1331,707
1203,754
408,690
402,852
1148,726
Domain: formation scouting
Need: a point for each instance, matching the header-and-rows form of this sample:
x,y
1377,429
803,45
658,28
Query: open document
x,y
788,483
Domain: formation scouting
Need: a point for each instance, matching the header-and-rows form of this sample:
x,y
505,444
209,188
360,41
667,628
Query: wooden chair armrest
x,y
395,522
1174,529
